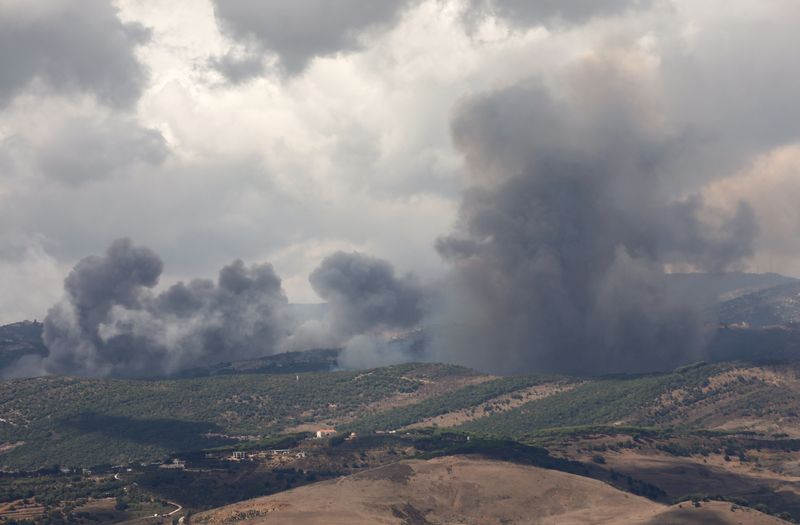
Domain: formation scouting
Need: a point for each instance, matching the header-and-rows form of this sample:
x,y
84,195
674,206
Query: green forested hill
x,y
91,421
87,422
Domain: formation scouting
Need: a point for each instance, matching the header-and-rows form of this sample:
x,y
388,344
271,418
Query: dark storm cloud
x,y
70,46
111,324
558,259
299,30
365,295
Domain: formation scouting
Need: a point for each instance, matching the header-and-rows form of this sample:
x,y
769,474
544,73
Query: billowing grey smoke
x,y
562,242
368,304
110,323
364,294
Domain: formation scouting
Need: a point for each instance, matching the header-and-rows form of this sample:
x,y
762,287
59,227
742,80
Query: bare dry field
x,y
468,490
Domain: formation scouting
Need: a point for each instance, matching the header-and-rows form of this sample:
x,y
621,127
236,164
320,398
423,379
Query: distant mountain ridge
x,y
777,305
314,360
725,286
20,339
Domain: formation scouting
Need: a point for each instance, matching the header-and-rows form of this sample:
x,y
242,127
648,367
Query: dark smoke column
x,y
365,295
368,305
559,254
110,323
94,287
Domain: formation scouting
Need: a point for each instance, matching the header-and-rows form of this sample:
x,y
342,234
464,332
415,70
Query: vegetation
x,y
467,397
605,401
51,487
87,422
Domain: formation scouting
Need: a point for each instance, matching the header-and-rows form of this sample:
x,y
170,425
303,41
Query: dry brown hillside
x,y
468,490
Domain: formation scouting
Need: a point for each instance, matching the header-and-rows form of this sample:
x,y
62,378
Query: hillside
x,y
20,339
315,360
725,395
724,286
88,422
722,431
470,490
777,305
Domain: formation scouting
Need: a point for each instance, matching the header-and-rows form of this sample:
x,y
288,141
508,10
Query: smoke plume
x,y
364,294
368,306
110,323
559,257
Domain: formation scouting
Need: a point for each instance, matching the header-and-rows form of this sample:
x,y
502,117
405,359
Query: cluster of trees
x,y
464,398
86,422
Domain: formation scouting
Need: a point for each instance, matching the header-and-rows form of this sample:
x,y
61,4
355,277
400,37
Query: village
x,y
281,456
146,491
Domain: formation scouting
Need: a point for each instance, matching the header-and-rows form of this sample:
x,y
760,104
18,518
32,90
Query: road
x,y
174,511
178,507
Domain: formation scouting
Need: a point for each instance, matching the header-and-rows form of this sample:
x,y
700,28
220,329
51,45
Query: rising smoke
x,y
578,203
369,305
110,323
558,258
365,295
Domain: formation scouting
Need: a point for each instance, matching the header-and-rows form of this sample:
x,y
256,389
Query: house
x,y
325,432
175,464
352,437
238,455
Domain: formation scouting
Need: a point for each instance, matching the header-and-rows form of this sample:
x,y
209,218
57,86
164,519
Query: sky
x,y
284,132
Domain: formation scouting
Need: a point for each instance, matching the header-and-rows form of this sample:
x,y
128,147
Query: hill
x,y
705,396
777,305
725,286
315,360
470,490
89,422
720,431
20,339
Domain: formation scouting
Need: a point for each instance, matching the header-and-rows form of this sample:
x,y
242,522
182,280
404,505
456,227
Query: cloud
x,y
297,31
76,142
70,46
29,278
110,323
